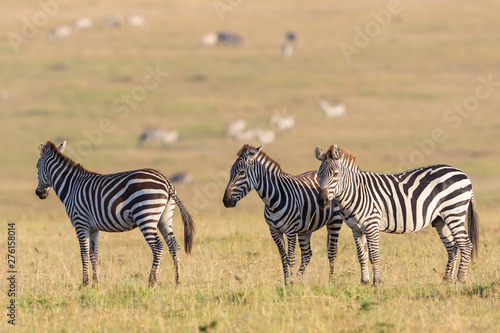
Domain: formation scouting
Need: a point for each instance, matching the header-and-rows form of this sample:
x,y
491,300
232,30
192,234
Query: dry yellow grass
x,y
398,90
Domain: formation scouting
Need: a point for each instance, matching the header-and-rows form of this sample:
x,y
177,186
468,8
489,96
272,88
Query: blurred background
x,y
133,84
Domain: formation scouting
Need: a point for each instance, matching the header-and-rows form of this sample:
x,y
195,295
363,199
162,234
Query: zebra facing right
x,y
400,203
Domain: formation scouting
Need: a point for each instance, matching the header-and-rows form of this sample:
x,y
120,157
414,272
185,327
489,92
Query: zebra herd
x,y
295,206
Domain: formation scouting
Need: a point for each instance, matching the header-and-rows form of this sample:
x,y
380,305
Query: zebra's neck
x,y
64,173
352,184
267,176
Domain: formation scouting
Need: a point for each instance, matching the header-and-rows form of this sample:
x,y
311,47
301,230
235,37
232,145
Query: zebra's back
x,y
114,202
413,199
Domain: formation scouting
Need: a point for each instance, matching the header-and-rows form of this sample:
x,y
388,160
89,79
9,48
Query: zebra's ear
x,y
254,152
41,149
62,146
336,152
319,154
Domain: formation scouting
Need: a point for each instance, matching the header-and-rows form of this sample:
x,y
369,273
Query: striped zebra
x,y
291,207
400,203
113,203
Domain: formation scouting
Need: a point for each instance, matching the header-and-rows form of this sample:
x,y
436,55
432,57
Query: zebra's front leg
x,y
280,243
292,240
83,238
306,254
362,249
372,239
94,258
332,240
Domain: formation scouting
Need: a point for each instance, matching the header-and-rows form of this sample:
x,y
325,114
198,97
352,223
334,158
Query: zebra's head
x,y
329,174
239,182
42,190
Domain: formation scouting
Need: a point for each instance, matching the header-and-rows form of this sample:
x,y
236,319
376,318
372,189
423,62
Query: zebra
x,y
400,203
291,207
113,203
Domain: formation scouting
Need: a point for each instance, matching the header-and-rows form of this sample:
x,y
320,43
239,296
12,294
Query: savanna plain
x,y
411,93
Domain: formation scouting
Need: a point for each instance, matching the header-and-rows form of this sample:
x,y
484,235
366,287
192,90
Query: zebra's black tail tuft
x,y
473,227
188,222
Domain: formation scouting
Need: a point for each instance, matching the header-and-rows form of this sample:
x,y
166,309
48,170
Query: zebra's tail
x,y
473,226
188,222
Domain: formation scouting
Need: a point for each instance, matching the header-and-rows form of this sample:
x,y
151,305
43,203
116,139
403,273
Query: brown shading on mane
x,y
49,145
262,155
347,158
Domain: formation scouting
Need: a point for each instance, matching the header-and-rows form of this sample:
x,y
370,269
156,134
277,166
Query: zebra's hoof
x,y
377,283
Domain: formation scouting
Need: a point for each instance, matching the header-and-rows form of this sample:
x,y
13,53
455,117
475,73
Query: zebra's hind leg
x,y
450,245
94,258
166,230
362,249
372,238
280,243
457,228
306,254
157,248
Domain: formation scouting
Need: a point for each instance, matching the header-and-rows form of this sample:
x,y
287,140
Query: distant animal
x,y
229,38
282,123
111,21
113,203
233,127
82,23
245,135
165,137
183,178
209,40
290,206
264,136
286,51
136,21
334,110
400,203
291,37
59,33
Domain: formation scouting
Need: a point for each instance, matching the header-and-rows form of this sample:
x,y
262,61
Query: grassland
x,y
398,90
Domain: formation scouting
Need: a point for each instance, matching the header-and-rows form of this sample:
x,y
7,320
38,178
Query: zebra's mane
x,y
263,157
49,145
347,158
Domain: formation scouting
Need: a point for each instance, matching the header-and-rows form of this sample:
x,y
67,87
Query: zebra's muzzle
x,y
228,202
42,193
323,200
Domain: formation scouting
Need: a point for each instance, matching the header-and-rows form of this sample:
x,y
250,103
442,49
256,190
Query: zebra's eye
x,y
241,172
335,174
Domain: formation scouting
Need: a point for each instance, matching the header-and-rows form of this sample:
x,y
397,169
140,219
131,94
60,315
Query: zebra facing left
x,y
113,203
400,203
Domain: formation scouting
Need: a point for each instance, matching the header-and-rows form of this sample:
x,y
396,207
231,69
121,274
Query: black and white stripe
x,y
291,206
400,203
113,203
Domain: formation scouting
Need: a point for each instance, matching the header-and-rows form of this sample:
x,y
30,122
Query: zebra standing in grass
x,y
114,203
291,207
400,203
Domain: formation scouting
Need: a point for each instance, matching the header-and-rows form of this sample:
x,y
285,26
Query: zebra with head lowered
x,y
291,207
400,203
113,203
